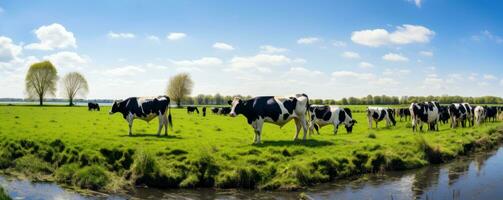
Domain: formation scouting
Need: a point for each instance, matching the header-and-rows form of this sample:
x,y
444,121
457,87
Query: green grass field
x,y
93,150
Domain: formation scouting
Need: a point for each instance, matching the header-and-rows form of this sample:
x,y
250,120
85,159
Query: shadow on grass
x,y
147,135
282,143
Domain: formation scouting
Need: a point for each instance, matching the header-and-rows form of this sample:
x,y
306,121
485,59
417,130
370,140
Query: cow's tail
x,y
308,107
170,121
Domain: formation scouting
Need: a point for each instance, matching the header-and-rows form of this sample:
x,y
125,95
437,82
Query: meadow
x,y
92,150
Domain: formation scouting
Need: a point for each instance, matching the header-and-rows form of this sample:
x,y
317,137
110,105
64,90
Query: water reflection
x,y
474,177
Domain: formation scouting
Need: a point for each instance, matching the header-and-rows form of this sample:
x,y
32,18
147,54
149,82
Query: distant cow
x,y
427,112
480,113
378,114
204,111
191,109
403,113
330,115
271,109
460,113
93,106
224,110
491,113
146,109
214,110
444,114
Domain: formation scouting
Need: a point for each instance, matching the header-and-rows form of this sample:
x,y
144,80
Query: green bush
x,y
92,177
3,195
65,173
32,164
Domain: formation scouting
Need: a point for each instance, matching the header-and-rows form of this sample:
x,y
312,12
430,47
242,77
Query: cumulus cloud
x,y
350,55
426,53
405,34
223,46
129,70
337,43
351,74
176,36
54,36
393,57
269,49
487,35
153,38
114,35
261,62
308,40
8,50
366,65
416,2
489,77
202,62
67,59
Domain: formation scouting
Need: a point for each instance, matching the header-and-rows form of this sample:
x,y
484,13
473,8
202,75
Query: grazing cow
x,y
146,109
191,109
491,113
204,111
324,115
444,114
271,109
460,112
214,110
93,106
403,113
377,114
480,114
427,112
224,110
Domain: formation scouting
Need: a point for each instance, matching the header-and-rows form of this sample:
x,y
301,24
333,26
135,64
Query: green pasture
x,y
93,150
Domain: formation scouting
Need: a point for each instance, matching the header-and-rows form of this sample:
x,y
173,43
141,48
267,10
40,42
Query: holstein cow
x,y
214,110
204,111
403,113
460,112
271,109
146,109
377,114
224,110
322,115
491,113
427,112
93,106
191,109
480,114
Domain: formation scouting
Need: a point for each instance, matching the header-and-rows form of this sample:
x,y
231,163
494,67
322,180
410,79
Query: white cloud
x,y
405,34
501,82
489,77
366,65
54,36
339,43
308,40
153,38
393,57
8,50
351,74
350,55
114,35
129,70
487,35
426,53
176,36
261,62
269,49
416,2
223,46
202,62
301,71
67,59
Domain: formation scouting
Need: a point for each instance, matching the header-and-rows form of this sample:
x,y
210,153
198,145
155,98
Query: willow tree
x,y
41,81
179,87
74,85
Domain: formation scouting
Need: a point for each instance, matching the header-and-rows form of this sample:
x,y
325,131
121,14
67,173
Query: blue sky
x,y
327,49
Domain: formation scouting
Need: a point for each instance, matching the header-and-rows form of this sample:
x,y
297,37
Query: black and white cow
x,y
480,114
191,109
491,113
93,106
322,115
460,112
145,108
403,113
224,110
427,112
272,109
214,110
378,114
204,111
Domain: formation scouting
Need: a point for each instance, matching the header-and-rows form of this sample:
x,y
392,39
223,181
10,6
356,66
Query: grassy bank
x,y
3,195
92,150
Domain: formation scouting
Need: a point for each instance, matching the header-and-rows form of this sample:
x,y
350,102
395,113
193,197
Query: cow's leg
x,y
303,122
336,128
260,124
297,128
161,124
165,119
370,121
376,124
311,126
130,118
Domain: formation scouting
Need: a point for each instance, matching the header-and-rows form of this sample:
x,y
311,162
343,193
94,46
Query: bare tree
x,y
179,87
74,85
41,80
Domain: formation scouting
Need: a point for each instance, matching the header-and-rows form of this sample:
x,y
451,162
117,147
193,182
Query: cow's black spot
x,y
382,115
285,116
290,104
375,115
342,116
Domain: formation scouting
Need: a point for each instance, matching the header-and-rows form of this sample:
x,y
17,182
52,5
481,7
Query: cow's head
x,y
115,108
236,106
349,125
